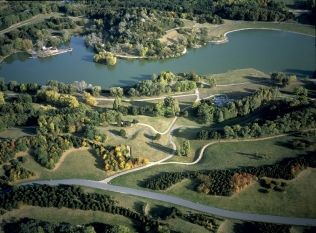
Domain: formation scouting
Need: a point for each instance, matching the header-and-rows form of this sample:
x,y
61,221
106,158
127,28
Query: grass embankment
x,y
78,163
294,202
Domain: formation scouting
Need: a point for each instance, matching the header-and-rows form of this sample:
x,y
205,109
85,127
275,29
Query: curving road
x,y
181,202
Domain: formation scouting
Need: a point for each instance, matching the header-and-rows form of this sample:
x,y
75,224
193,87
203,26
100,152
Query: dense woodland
x,y
208,112
127,27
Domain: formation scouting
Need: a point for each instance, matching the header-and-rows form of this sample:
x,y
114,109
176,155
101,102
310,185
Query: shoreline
x,y
215,42
225,39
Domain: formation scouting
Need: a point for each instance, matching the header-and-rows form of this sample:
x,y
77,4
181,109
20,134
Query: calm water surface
x,y
268,51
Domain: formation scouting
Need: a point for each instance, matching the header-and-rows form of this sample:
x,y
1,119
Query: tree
x,y
2,101
116,91
185,148
122,133
89,99
89,229
105,57
157,136
117,103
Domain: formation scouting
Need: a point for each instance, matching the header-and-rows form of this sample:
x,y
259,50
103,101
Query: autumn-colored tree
x,y
89,99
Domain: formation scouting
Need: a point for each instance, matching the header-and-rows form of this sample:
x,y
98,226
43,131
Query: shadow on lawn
x,y
162,148
98,160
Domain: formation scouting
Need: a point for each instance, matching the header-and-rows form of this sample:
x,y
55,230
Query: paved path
x,y
185,203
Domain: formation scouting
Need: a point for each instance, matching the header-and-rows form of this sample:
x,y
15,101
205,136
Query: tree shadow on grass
x,y
251,155
259,80
188,133
98,160
149,136
160,212
159,147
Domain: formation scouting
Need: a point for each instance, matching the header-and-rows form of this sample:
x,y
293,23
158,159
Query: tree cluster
x,y
221,182
296,120
15,171
14,12
169,107
207,111
17,111
118,157
105,57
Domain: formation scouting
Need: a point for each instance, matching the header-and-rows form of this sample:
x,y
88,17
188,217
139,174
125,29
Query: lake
x,y
265,50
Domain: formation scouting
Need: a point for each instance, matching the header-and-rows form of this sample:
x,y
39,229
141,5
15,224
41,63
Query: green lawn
x,y
298,200
78,164
220,156
230,155
76,217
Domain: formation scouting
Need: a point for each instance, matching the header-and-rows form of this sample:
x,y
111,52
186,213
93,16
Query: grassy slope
x,y
78,164
230,155
230,25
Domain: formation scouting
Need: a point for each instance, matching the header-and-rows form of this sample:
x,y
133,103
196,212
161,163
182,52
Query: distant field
x,y
78,164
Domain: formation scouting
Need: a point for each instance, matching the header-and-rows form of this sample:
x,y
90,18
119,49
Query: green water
x,y
268,51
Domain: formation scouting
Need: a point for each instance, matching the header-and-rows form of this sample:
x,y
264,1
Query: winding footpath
x,y
182,202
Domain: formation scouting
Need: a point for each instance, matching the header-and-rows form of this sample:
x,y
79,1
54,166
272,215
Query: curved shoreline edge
x,y
225,39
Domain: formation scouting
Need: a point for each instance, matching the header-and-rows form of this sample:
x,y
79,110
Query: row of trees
x,y
57,99
164,83
70,197
225,182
